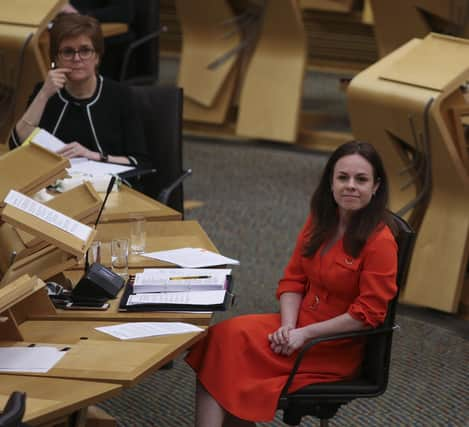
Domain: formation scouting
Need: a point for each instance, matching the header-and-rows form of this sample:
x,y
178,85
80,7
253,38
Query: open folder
x,y
210,300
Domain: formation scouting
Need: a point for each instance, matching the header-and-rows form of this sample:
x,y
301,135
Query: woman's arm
x,y
75,149
337,325
377,286
55,81
289,307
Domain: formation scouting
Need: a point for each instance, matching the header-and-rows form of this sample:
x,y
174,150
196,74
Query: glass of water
x,y
137,234
120,256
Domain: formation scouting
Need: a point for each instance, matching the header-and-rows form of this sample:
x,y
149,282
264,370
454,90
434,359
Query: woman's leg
x,y
208,413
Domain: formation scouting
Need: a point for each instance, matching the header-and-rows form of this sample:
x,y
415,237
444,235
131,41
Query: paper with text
x,y
51,216
180,279
47,141
29,359
91,169
180,298
191,257
128,331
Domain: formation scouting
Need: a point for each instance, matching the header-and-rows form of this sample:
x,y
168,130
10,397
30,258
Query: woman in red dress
x,y
340,278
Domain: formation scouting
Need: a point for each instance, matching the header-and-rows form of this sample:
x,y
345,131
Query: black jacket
x,y
106,122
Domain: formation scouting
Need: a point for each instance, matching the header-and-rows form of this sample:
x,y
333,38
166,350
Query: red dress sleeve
x,y
377,285
294,278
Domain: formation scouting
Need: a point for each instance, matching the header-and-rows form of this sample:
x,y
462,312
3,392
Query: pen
x,y
188,277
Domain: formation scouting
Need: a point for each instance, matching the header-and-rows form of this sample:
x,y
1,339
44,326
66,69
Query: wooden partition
x,y
21,24
398,21
255,60
402,105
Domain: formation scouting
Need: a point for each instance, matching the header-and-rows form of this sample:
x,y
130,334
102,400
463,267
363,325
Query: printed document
x,y
180,279
47,140
127,331
29,359
51,216
191,257
91,169
182,298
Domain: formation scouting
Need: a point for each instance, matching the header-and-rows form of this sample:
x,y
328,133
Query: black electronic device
x,y
86,306
98,281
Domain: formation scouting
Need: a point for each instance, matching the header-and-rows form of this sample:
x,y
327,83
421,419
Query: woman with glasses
x,y
93,115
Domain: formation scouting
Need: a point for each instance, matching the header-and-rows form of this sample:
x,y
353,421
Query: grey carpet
x,y
255,200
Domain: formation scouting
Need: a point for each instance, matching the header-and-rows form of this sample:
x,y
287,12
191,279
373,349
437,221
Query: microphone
x,y
98,218
99,283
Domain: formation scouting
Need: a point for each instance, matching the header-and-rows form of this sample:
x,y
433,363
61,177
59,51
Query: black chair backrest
x,y
14,410
378,347
160,109
146,20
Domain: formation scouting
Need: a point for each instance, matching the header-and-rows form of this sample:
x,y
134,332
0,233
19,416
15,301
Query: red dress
x,y
234,361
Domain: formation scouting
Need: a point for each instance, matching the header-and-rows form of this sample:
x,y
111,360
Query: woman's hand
x,y
297,338
75,149
56,79
280,336
286,340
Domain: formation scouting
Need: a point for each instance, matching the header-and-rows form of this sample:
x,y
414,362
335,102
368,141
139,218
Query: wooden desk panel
x,y
164,235
36,13
121,362
121,205
51,398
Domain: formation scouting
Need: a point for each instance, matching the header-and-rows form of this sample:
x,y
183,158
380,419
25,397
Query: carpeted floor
x,y
255,200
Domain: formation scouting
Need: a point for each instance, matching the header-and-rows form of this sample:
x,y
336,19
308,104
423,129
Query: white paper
x,y
48,141
51,216
127,331
191,298
29,359
180,279
191,257
91,169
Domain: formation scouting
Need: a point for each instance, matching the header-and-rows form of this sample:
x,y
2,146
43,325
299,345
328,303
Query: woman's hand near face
x,y
56,79
75,149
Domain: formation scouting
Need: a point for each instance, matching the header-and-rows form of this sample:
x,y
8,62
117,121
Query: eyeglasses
x,y
84,53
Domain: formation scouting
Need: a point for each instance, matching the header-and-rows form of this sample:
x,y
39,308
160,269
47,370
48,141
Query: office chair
x,y
323,400
160,108
14,410
140,65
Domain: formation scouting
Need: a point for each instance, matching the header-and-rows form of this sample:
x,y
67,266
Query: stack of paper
x,y
180,279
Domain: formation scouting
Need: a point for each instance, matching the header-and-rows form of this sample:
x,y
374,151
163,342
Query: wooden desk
x,y
35,13
165,235
121,205
124,363
51,399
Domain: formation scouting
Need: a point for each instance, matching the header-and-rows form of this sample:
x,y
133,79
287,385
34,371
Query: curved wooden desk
x,y
381,100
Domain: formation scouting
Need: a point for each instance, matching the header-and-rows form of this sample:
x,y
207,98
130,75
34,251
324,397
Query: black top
x,y
106,122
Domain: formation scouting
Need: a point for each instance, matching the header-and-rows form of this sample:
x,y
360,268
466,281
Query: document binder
x,y
225,305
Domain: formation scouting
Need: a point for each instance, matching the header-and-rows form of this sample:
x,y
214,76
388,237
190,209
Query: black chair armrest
x,y
14,410
134,45
164,195
314,341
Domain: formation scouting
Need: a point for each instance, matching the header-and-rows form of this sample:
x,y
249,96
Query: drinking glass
x,y
119,257
137,234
